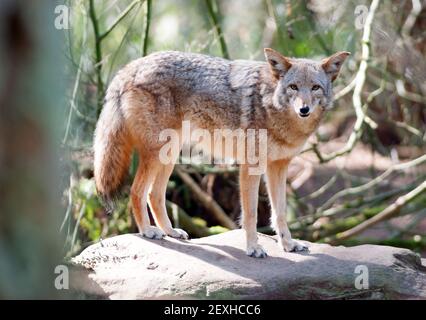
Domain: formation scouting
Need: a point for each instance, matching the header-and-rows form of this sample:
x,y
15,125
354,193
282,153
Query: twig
x,y
119,18
357,204
147,25
195,228
323,188
410,96
345,90
387,213
327,230
411,19
123,39
356,97
372,183
73,105
400,89
98,56
77,224
400,231
206,200
98,46
218,28
70,204
215,170
373,200
364,119
410,129
355,135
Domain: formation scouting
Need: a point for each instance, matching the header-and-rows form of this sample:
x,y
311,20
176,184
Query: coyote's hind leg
x,y
144,178
157,202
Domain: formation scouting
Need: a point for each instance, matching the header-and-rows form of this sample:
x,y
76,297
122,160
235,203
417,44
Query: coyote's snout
x,y
286,96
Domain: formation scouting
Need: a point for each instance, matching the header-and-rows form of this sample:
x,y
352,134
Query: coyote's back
x,y
158,92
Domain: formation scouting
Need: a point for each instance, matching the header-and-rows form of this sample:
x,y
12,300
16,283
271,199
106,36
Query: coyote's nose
x,y
304,111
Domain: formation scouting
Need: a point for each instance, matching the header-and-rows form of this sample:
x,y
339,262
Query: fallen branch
x,y
362,188
387,213
206,200
354,206
193,226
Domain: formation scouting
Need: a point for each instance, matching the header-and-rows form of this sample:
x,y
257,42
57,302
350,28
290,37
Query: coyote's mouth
x,y
304,115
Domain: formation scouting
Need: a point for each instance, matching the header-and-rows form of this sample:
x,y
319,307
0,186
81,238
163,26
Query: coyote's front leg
x,y
276,174
249,190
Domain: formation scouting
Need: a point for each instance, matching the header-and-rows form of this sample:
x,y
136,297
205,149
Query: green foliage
x,y
92,223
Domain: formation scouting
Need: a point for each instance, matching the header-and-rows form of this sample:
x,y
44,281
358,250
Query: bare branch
x,y
345,90
359,84
372,183
387,213
411,19
119,18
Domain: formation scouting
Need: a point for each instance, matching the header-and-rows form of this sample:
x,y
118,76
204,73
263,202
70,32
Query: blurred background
x,y
360,179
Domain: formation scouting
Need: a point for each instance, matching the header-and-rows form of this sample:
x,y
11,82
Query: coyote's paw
x,y
152,232
256,251
177,233
294,246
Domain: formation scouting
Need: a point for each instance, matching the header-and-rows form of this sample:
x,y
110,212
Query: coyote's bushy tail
x,y
112,149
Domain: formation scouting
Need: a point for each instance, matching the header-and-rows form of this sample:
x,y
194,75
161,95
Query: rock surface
x,y
216,267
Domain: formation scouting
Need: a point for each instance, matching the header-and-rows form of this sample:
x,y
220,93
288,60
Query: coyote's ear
x,y
332,64
278,63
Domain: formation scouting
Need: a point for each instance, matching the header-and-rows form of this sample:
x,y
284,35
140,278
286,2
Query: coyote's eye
x,y
293,87
316,87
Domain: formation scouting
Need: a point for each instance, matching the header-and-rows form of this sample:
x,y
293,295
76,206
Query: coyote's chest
x,y
288,133
278,150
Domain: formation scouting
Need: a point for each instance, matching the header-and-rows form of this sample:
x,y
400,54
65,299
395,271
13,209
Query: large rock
x,y
132,267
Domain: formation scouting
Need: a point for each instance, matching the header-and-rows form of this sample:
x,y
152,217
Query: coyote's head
x,y
304,85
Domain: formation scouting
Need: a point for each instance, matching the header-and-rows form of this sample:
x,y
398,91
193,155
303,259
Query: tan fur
x,y
286,96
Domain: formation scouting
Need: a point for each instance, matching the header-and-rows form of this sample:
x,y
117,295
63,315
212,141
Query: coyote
x,y
286,96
